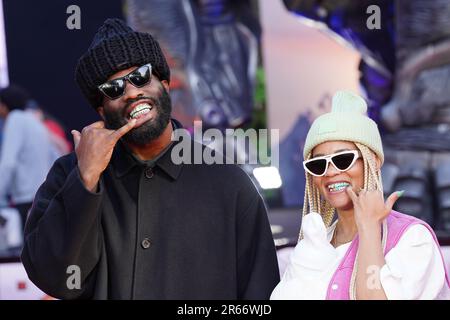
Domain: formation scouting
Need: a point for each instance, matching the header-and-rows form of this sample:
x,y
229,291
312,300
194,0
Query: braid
x,y
317,204
372,176
307,204
366,170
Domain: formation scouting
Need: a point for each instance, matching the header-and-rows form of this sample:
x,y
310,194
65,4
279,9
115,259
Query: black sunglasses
x,y
115,88
342,161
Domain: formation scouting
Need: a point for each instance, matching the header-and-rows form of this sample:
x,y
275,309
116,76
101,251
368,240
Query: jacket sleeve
x,y
257,261
63,234
414,268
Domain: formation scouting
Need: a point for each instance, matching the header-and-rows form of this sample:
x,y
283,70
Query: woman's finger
x,y
390,201
351,194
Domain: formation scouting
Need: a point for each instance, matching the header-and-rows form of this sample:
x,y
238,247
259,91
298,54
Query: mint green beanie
x,y
347,121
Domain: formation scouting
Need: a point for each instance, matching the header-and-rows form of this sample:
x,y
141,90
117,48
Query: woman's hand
x,y
370,209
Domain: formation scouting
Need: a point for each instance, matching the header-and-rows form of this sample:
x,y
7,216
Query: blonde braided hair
x,y
314,202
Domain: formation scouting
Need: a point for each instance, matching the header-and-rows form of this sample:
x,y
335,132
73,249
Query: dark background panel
x,y
43,52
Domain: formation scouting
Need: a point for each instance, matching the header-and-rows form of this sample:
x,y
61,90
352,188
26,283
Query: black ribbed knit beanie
x,y
116,47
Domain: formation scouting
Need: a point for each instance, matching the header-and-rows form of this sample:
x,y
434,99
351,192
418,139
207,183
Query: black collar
x,y
123,161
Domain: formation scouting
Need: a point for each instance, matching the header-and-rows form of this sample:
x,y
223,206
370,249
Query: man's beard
x,y
149,130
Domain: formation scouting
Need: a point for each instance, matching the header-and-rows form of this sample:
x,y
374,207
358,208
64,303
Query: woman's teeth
x,y
140,110
335,187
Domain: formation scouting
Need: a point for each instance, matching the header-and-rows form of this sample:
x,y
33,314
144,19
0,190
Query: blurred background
x,y
268,64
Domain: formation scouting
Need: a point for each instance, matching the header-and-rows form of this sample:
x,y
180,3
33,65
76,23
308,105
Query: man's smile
x,y
140,110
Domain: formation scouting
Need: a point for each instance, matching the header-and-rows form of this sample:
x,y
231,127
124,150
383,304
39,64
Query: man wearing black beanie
x,y
118,219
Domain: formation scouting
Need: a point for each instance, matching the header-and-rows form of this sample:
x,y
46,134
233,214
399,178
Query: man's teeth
x,y
337,186
140,109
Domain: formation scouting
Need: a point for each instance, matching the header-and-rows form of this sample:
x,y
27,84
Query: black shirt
x,y
161,231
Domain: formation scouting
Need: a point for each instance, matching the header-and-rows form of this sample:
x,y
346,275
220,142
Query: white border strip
x,y
4,79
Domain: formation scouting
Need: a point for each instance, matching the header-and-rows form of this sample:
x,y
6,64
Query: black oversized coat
x,y
164,231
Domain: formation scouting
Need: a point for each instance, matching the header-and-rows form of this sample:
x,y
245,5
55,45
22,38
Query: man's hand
x,y
94,147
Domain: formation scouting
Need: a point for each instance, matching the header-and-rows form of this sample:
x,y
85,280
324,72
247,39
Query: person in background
x,y
61,145
25,156
352,244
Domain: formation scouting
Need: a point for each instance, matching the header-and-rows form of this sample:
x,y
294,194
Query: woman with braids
x,y
352,244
